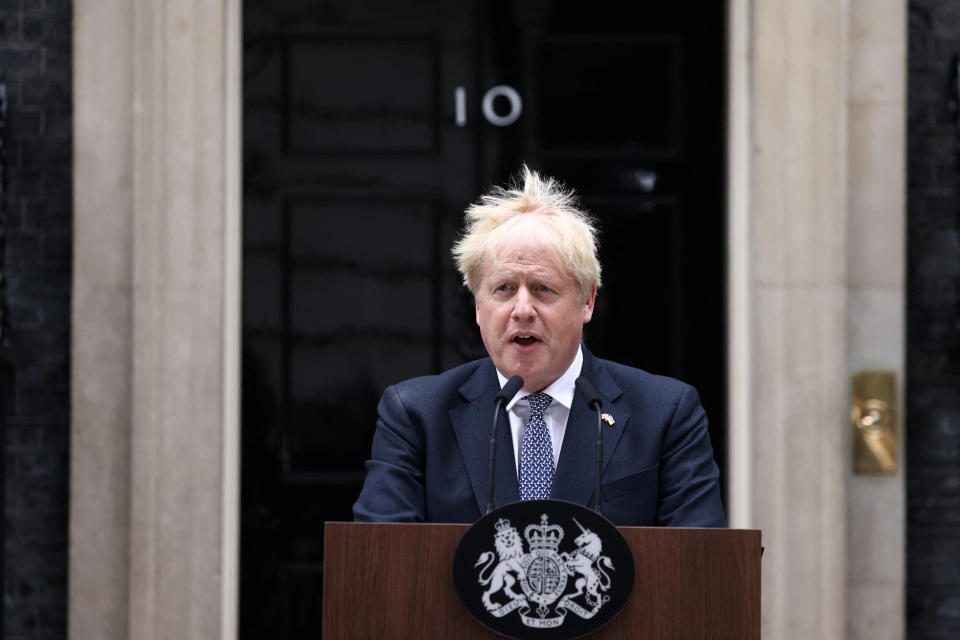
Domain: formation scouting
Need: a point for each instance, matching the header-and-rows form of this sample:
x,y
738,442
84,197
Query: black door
x,y
369,126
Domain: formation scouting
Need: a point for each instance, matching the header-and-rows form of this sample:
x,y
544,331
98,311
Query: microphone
x,y
586,389
509,390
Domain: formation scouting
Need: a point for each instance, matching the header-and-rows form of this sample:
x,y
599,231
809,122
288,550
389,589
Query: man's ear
x,y
476,308
588,304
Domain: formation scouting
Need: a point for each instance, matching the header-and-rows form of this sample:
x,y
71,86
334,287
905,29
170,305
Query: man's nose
x,y
523,304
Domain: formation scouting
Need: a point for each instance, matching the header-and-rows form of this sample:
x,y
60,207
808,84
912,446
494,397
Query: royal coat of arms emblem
x,y
540,582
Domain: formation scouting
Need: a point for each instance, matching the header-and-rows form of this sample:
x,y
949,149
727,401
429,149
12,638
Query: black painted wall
x,y
36,238
933,322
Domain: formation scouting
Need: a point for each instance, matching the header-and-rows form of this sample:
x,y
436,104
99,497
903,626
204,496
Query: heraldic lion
x,y
509,547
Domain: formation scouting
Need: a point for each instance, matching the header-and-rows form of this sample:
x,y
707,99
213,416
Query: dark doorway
x,y
369,126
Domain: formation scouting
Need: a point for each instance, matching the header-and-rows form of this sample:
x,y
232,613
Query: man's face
x,y
529,309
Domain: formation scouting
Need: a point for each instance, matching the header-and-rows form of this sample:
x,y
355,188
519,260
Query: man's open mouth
x,y
525,340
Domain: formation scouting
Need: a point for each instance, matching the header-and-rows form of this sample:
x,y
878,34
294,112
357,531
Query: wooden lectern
x,y
395,581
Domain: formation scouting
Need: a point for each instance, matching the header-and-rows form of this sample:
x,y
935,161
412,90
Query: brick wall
x,y
933,324
35,66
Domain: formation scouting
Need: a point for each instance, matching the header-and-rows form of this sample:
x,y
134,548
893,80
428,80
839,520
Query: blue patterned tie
x,y
536,452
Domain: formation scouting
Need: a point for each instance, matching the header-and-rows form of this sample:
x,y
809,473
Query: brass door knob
x,y
875,445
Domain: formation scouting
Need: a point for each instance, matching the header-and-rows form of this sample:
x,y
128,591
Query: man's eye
x,y
543,288
503,287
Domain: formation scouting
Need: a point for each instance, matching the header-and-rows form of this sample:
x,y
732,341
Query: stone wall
x,y
933,323
35,67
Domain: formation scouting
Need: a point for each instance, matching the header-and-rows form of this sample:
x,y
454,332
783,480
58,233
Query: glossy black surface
x,y
543,569
356,175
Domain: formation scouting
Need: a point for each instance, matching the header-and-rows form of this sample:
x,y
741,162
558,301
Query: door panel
x,y
342,95
625,90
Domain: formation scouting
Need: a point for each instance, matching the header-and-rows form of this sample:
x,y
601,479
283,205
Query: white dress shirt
x,y
518,409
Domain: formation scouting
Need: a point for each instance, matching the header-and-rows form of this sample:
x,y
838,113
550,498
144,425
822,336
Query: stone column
x,y
796,294
817,118
155,320
102,328
876,302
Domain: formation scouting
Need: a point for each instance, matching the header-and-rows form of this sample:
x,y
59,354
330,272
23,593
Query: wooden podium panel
x,y
396,581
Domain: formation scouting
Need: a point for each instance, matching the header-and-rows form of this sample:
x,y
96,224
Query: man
x,y
529,256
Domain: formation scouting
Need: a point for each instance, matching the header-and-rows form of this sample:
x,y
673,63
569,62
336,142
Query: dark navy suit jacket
x,y
430,450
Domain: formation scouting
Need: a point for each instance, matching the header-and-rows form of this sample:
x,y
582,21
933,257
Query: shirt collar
x,y
561,390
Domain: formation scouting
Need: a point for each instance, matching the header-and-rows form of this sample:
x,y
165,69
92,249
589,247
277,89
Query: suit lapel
x,y
576,476
576,469
471,423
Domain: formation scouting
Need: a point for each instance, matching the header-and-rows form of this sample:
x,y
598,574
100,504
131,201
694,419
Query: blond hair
x,y
569,230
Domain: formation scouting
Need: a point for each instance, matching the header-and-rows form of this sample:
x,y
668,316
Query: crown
x,y
503,525
543,535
